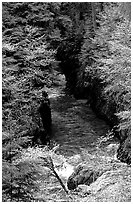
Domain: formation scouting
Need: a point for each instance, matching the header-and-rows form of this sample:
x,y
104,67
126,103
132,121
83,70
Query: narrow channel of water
x,y
83,139
76,128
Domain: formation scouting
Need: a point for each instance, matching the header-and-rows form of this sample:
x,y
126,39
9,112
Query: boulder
x,y
82,175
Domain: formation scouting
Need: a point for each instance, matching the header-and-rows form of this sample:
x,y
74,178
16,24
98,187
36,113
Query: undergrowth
x,y
25,74
108,78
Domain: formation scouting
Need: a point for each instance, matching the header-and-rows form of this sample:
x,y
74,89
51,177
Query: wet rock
x,y
82,175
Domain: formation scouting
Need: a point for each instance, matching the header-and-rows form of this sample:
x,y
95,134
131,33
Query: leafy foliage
x,y
111,53
106,64
27,58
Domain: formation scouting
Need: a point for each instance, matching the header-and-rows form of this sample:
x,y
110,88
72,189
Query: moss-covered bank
x,y
98,67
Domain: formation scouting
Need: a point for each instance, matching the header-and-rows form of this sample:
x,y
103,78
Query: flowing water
x,y
82,139
76,128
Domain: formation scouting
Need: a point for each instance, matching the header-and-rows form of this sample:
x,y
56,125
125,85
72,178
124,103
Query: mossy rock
x,y
82,175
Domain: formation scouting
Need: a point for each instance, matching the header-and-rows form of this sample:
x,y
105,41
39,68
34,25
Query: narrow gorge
x,y
66,102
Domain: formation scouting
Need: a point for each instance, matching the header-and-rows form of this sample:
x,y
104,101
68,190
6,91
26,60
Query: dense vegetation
x,y
26,71
92,41
108,77
98,66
